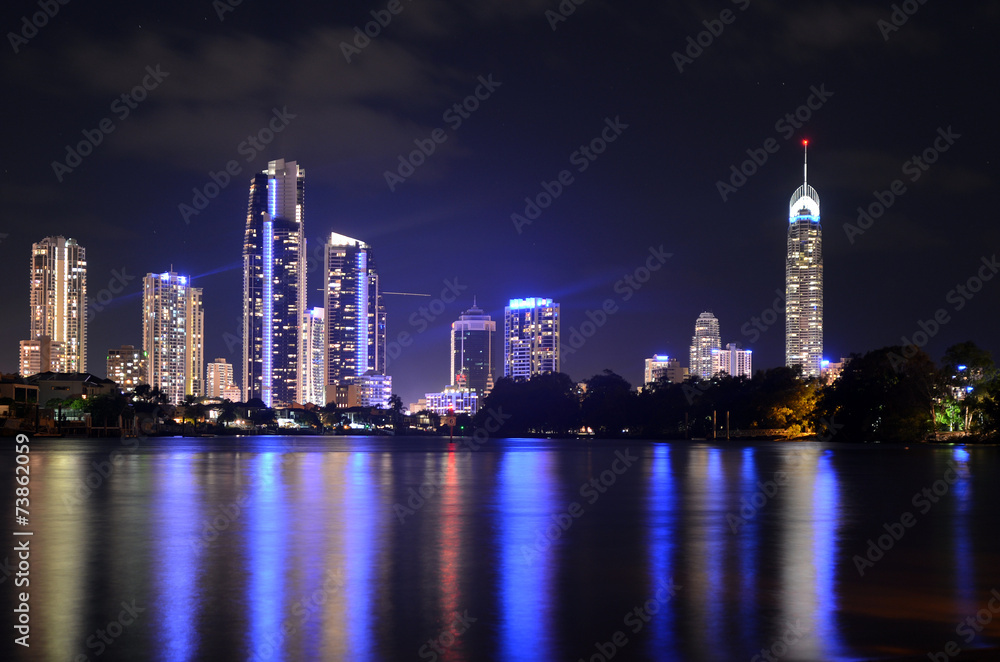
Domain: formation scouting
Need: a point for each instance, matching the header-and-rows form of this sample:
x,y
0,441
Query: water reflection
x,y
809,556
661,510
747,533
308,560
266,545
362,509
450,546
177,558
964,562
525,505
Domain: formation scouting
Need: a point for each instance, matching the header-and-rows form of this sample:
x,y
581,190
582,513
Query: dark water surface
x,y
308,548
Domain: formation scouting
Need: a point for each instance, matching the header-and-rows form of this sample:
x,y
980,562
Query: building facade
x,y
732,361
706,339
531,338
127,366
354,313
173,329
374,390
472,350
218,378
41,355
804,280
454,400
58,301
662,366
274,285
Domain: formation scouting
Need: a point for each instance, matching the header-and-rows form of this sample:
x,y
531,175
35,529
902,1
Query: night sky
x,y
879,97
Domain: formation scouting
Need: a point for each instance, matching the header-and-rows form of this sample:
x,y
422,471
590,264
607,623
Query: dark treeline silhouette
x,y
893,394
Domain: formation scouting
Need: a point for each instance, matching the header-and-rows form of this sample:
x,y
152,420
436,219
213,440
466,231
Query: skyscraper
x,y
706,339
58,300
314,375
530,338
472,349
354,313
804,279
274,285
173,330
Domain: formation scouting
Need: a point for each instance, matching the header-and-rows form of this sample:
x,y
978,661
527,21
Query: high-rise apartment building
x,y
219,379
58,300
354,313
531,337
314,343
733,361
274,285
173,330
127,366
706,339
42,355
472,350
804,279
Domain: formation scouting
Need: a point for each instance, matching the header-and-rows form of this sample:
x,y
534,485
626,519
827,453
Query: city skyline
x,y
606,154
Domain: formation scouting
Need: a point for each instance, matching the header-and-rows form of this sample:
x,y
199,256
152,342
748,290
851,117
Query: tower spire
x,y
805,161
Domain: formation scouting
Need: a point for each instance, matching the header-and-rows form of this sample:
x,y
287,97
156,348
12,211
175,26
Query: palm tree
x,y
396,405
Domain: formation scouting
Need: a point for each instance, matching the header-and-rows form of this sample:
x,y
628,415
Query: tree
x,y
396,406
884,395
965,370
227,413
544,404
609,404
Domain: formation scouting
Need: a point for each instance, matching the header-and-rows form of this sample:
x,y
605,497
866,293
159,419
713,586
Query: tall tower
x,y
804,279
58,300
274,285
530,338
173,331
706,339
354,312
472,349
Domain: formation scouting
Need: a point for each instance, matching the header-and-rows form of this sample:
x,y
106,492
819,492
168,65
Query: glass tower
x,y
274,286
472,350
354,312
804,279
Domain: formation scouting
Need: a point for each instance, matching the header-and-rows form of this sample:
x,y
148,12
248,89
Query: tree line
x,y
893,394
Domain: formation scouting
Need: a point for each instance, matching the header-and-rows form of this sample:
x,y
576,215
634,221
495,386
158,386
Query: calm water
x,y
305,548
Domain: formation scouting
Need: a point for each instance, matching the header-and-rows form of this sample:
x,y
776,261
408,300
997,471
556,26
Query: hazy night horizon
x,y
506,209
